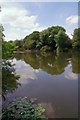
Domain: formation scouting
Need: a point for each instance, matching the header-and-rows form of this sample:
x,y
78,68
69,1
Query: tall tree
x,y
61,39
76,39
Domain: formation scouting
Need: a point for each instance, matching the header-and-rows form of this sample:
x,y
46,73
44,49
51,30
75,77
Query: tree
x,y
19,44
50,38
47,36
1,32
61,39
7,49
76,39
44,37
31,40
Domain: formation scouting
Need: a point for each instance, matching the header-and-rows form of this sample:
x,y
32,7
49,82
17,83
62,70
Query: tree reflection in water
x,y
52,63
9,79
76,62
57,92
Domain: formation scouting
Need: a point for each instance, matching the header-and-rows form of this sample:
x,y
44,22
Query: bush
x,y
23,109
76,45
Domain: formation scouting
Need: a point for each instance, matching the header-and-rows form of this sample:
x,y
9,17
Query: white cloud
x,y
72,19
11,14
71,76
17,22
69,34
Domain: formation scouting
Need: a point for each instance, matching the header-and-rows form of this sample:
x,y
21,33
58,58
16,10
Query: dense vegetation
x,y
52,38
7,49
76,39
24,109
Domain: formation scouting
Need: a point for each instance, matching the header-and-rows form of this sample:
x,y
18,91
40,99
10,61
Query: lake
x,y
51,78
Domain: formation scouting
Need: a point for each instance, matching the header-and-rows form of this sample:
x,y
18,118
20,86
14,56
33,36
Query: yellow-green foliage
x,y
29,43
45,48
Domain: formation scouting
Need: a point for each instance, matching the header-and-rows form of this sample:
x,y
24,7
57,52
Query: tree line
x,y
50,39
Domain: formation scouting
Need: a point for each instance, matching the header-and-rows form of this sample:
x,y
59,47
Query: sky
x,y
22,18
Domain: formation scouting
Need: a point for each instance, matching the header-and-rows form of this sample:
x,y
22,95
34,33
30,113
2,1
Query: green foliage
x,y
7,49
23,109
1,32
45,48
52,38
76,45
9,79
76,34
32,40
29,44
19,44
61,39
9,82
46,40
38,40
76,39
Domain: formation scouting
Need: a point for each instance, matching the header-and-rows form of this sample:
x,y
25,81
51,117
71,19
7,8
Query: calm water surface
x,y
51,78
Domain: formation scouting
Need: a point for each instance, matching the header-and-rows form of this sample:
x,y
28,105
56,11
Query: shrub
x,y
23,109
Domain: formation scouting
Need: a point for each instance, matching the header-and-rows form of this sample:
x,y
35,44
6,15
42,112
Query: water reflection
x,y
52,63
24,71
9,80
76,62
50,110
50,78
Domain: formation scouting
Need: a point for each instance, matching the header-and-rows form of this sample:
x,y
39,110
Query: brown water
x,y
51,78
